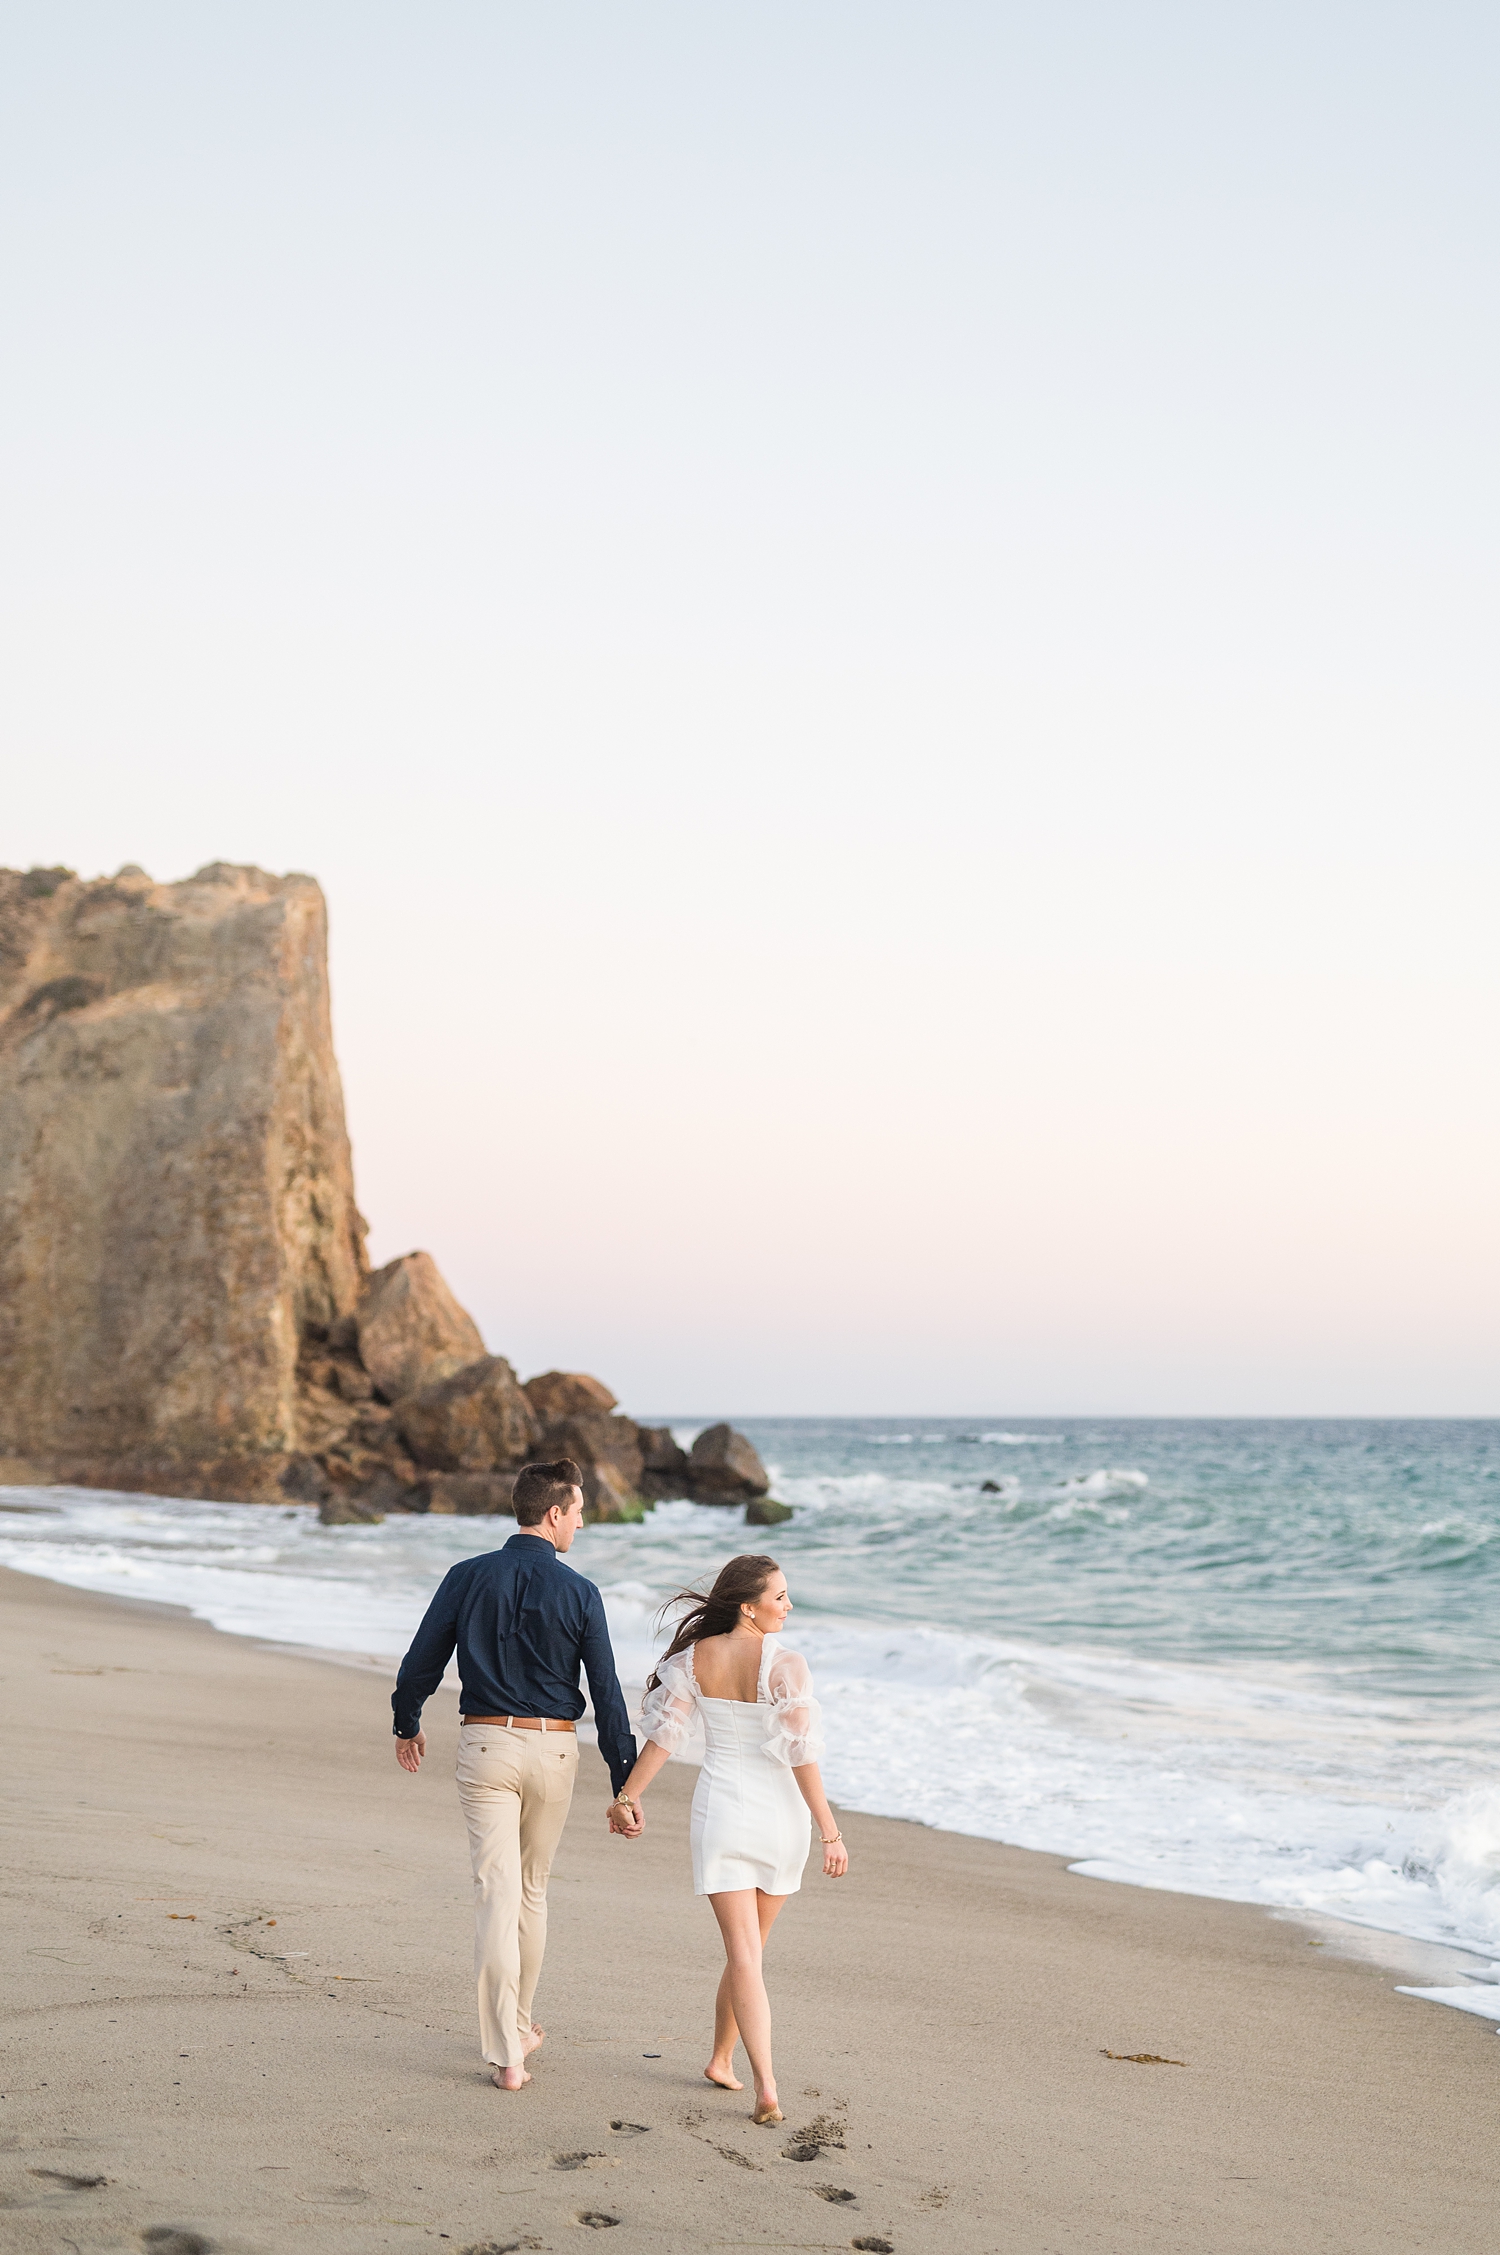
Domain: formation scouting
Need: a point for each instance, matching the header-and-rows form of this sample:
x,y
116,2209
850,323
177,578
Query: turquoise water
x,y
1367,1547
1249,1659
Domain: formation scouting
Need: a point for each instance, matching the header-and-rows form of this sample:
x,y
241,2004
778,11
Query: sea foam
x,y
1247,1662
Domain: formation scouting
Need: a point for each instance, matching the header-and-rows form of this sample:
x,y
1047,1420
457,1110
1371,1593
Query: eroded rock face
x,y
471,1495
478,1420
724,1467
185,1304
567,1393
608,1454
176,1194
664,1473
366,1460
412,1332
337,1510
607,1497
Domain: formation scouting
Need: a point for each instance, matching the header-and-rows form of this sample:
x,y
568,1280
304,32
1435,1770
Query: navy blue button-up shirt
x,y
522,1622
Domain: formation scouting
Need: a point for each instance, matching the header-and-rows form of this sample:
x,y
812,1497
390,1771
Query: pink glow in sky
x,y
879,623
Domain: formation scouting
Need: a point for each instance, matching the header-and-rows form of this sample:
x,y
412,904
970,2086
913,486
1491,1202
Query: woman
x,y
750,1828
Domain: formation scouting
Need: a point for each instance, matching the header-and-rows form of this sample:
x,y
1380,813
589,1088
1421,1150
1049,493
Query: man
x,y
522,1623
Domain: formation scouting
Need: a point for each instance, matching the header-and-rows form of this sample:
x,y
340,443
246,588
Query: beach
x,y
239,2003
1250,1660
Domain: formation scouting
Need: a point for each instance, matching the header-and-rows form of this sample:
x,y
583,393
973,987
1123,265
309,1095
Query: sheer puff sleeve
x,y
667,1709
795,1732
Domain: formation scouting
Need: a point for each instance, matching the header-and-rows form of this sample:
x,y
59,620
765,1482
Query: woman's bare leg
x,y
720,2068
729,2006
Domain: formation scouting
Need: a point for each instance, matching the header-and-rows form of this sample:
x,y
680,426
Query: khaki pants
x,y
514,1787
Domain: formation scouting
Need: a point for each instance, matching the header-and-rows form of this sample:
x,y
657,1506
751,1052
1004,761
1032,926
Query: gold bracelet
x,y
833,1843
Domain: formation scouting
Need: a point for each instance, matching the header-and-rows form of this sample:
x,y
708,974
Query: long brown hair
x,y
739,1583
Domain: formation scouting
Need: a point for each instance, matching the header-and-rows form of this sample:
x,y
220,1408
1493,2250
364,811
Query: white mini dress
x,y
750,1826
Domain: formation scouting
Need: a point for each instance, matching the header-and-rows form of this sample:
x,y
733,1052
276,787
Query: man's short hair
x,y
539,1486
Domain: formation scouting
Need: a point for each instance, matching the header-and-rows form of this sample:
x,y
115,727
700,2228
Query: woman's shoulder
x,y
783,1668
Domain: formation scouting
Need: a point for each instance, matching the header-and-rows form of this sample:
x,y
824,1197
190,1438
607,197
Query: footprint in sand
x,y
821,2130
808,2142
596,2220
838,2194
175,2239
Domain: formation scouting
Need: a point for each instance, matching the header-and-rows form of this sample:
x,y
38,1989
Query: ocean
x,y
1247,1659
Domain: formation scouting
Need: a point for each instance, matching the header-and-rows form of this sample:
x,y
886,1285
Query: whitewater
x,y
1253,1660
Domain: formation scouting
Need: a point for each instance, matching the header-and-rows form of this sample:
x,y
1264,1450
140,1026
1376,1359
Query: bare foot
x,y
534,2041
509,2078
767,2111
718,2072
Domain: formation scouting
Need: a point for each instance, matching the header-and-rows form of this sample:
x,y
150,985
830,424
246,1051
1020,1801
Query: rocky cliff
x,y
176,1193
185,1304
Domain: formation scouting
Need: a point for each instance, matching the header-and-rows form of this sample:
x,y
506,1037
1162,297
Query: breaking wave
x,y
1229,1660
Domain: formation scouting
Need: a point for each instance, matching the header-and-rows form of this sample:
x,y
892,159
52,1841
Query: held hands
x,y
625,1817
409,1751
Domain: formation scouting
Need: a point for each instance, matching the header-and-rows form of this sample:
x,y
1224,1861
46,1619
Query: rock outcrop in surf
x,y
186,1306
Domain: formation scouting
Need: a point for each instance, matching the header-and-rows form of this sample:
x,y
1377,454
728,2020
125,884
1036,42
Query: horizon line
x,y
1088,1417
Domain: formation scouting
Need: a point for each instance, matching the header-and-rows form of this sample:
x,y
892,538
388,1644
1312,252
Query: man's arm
x,y
610,1718
421,1671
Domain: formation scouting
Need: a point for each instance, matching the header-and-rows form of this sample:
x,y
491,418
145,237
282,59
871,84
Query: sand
x,y
238,2002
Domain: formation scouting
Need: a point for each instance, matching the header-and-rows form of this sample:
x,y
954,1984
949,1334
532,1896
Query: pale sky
x,y
880,622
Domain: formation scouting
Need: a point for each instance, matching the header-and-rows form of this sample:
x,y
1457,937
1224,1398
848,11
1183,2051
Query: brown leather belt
x,y
519,1722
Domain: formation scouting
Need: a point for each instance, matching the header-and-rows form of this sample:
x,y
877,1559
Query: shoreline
x,y
1418,1957
961,2024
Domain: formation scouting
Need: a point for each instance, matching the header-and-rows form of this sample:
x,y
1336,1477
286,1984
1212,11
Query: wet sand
x,y
238,2001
